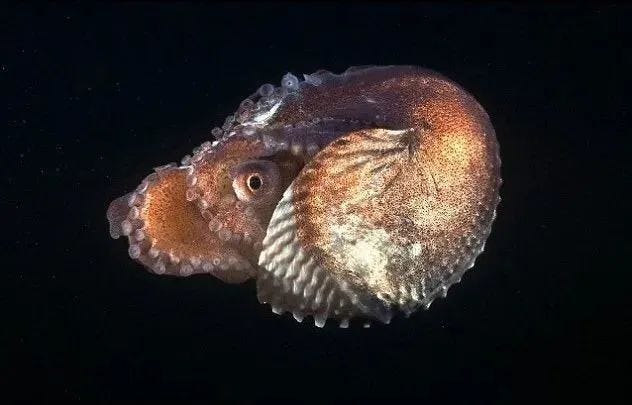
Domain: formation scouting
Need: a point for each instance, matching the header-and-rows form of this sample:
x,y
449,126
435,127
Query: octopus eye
x,y
257,180
254,182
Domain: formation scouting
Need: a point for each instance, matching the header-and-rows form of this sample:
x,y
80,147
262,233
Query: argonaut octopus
x,y
347,196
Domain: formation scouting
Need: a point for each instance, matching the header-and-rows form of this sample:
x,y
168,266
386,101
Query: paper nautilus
x,y
345,196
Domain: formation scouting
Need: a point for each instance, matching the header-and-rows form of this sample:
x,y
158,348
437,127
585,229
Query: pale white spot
x,y
186,269
159,268
134,213
320,319
296,148
134,251
153,252
263,117
126,227
195,262
142,187
139,235
364,252
174,259
415,250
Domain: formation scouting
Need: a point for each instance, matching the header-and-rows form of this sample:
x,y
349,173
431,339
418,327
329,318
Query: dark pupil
x,y
254,182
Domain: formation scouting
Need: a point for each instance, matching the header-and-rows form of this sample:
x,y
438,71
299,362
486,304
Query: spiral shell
x,y
391,181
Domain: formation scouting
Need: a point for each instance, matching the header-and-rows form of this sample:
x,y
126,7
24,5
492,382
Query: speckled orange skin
x,y
169,234
434,183
213,188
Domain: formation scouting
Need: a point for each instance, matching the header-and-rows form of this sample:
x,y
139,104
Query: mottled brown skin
x,y
437,182
213,189
396,210
177,227
169,236
383,96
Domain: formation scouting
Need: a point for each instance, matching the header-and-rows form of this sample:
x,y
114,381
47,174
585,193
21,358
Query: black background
x,y
97,95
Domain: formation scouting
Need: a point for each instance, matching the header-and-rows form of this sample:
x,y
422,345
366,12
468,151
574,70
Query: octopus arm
x,y
168,234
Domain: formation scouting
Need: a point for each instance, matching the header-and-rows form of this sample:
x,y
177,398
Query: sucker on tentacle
x,y
353,195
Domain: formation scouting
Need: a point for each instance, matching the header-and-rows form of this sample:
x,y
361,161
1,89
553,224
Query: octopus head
x,y
208,216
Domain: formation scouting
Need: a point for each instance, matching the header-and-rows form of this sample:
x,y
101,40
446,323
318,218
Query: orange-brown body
x,y
375,190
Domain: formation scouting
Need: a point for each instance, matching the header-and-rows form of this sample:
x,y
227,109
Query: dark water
x,y
98,95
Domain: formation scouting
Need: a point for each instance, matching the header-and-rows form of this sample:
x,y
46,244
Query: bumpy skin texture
x,y
375,191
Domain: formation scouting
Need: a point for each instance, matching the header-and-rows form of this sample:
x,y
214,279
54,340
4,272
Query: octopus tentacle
x,y
168,235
